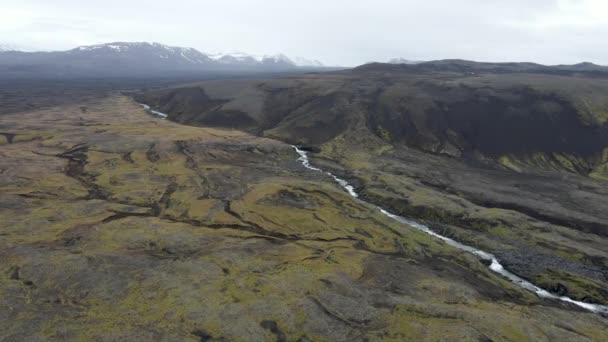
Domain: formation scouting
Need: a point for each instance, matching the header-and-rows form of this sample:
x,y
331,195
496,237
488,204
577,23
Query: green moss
x,y
592,112
565,162
601,170
578,287
384,134
506,161
25,136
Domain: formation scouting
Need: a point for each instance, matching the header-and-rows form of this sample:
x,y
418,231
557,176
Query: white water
x,y
494,264
150,110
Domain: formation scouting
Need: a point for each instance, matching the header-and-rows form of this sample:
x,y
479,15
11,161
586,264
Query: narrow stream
x,y
494,264
153,112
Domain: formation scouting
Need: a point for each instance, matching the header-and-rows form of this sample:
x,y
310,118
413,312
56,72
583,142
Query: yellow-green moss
x,y
507,162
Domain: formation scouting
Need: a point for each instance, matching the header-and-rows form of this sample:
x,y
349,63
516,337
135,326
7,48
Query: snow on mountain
x,y
242,57
9,47
166,54
401,60
156,50
279,59
187,55
144,59
236,57
305,62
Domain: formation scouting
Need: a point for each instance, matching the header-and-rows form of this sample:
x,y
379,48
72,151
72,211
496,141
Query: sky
x,y
336,32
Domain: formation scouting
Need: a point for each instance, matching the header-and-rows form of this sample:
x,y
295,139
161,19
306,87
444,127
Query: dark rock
x,y
560,289
202,335
274,328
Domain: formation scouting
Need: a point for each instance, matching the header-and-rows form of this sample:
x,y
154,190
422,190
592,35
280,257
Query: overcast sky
x,y
337,32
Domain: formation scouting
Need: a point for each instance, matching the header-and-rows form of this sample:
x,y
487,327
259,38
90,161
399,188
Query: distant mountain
x,y
236,58
473,68
304,62
247,59
121,59
585,66
403,61
9,47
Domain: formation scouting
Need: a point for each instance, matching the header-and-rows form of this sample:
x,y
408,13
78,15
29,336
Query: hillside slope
x,y
512,162
547,121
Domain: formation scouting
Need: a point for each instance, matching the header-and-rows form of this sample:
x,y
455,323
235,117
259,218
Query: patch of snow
x,y
235,57
186,57
401,60
9,47
90,48
116,47
305,62
279,58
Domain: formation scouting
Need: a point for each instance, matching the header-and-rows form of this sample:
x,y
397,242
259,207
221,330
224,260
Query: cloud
x,y
336,32
567,15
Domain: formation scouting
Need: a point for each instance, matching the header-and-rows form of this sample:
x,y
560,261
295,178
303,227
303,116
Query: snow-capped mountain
x,y
145,50
9,47
144,59
241,57
236,58
141,54
305,62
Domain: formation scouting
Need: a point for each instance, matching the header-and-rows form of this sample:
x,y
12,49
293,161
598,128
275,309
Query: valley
x,y
509,163
118,225
317,171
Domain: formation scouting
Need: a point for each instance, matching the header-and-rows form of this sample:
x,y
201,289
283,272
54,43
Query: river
x,y
490,259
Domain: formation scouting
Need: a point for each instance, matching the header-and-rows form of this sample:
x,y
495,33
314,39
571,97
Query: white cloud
x,y
567,15
336,32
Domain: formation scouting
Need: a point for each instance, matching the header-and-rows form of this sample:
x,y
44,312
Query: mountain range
x,y
121,59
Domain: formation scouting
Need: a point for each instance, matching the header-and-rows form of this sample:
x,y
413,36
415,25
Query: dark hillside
x,y
515,116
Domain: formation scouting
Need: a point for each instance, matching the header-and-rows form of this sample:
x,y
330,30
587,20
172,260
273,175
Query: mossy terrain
x,y
116,225
510,161
525,231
